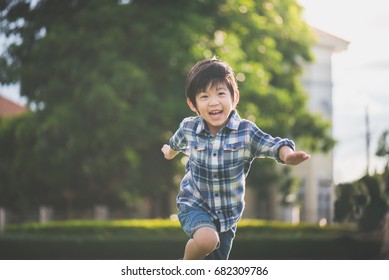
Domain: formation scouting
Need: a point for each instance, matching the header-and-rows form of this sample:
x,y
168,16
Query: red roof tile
x,y
9,108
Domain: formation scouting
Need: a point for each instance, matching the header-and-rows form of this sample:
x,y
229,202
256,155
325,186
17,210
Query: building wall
x,y
317,189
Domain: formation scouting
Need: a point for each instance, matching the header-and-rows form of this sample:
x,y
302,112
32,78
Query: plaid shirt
x,y
217,167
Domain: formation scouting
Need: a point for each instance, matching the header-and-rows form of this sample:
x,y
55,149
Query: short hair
x,y
209,72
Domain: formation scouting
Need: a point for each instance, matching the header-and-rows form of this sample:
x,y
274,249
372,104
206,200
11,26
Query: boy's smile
x,y
214,105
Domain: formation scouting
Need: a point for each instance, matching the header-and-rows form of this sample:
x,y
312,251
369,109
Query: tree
x,y
350,202
383,145
375,210
366,200
363,202
106,82
383,151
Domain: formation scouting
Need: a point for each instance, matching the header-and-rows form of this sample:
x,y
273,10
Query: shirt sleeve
x,y
178,141
264,145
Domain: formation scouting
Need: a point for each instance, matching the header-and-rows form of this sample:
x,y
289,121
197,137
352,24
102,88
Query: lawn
x,y
164,239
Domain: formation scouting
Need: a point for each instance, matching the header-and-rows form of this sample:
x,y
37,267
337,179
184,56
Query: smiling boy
x,y
221,147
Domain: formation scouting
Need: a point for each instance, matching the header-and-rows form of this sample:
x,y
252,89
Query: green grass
x,y
164,239
259,229
163,229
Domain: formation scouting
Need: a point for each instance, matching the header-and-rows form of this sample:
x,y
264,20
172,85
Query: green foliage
x,y
383,151
383,145
367,200
102,229
375,210
147,228
348,203
20,186
106,81
363,202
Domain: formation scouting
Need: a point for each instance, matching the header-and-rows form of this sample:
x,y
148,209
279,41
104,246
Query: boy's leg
x,y
204,241
224,249
201,230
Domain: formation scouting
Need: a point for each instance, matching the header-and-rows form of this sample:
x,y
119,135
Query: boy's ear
x,y
236,98
191,105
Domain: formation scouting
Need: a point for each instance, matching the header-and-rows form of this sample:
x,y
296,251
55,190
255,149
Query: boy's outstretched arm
x,y
168,152
291,157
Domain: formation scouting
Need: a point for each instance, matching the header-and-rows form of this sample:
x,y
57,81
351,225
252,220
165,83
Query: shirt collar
x,y
232,124
234,121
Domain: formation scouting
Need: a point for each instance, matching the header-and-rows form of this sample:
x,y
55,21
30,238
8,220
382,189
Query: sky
x,y
359,77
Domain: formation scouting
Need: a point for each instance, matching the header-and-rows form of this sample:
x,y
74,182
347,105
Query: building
x,y
316,197
315,200
9,108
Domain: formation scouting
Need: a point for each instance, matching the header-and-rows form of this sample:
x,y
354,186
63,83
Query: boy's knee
x,y
206,239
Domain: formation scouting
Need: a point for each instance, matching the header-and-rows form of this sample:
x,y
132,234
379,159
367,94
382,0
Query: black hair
x,y
209,72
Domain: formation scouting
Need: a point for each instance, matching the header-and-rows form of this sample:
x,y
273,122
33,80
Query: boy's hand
x,y
291,157
296,158
168,152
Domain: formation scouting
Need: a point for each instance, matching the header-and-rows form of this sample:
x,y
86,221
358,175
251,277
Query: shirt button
x,y
216,194
214,154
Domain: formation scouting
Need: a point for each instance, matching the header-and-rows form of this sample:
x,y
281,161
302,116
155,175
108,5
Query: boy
x,y
221,147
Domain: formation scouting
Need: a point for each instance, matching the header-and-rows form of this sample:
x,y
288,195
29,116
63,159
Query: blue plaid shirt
x,y
217,167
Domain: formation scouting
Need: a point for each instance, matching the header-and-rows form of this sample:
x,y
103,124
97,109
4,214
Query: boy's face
x,y
214,105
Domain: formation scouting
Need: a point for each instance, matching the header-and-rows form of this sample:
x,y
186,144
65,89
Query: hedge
x,y
164,239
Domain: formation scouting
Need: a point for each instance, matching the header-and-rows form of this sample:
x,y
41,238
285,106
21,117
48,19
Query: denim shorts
x,y
192,218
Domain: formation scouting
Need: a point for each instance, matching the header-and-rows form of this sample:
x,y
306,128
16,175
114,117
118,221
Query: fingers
x,y
297,158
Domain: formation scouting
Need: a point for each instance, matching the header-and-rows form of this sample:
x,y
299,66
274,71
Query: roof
x,y
9,108
330,41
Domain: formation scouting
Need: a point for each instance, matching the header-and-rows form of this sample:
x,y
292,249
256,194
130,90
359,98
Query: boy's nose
x,y
213,100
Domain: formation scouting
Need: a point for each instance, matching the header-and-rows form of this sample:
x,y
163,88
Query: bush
x,y
125,228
